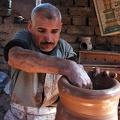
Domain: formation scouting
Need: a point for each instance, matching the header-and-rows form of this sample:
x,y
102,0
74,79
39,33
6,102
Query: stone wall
x,y
78,17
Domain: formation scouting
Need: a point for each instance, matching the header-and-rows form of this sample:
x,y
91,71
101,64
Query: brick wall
x,y
79,20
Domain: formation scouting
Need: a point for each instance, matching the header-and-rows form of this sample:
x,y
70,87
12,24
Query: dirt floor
x,y
4,104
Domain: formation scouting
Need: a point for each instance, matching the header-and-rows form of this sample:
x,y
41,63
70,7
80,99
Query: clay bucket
x,y
100,103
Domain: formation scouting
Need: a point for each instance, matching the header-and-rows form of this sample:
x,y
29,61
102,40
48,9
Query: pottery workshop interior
x,y
92,28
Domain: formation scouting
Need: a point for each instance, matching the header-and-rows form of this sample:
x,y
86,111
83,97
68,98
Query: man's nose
x,y
48,37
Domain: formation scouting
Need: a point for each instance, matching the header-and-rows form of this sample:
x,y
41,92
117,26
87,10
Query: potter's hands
x,y
80,78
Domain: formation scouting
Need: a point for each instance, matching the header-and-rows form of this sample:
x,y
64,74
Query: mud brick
x,y
79,21
5,4
5,12
87,30
116,40
73,30
63,10
81,11
93,21
66,2
56,2
69,38
83,30
91,3
93,40
19,8
101,40
81,2
97,31
47,1
66,20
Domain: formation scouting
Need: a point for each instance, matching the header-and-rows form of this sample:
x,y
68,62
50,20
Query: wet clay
x,y
100,103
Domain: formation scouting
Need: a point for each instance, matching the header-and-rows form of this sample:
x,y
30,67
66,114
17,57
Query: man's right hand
x,y
79,77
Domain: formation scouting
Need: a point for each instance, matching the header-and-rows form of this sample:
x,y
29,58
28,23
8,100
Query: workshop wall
x,y
78,17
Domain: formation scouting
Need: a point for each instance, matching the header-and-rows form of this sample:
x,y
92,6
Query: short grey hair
x,y
48,10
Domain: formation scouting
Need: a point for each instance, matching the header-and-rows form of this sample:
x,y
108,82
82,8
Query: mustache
x,y
46,43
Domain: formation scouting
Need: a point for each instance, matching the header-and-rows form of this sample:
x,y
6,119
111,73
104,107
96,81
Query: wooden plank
x,y
99,58
106,66
102,69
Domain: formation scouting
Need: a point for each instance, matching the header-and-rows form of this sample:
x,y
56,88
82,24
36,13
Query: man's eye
x,y
40,30
54,31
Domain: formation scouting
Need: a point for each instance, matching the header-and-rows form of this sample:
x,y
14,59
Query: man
x,y
38,59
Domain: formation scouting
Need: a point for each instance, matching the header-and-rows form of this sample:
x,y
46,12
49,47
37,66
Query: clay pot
x,y
100,103
86,43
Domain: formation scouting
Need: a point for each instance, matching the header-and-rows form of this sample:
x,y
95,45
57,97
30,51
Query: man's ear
x,y
29,26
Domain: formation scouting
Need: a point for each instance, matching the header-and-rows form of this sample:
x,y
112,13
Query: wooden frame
x,y
108,14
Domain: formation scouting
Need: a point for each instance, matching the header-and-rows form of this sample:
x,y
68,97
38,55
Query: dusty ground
x,y
4,104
